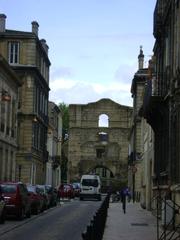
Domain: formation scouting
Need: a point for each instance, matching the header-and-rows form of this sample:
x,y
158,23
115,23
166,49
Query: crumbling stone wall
x,y
87,149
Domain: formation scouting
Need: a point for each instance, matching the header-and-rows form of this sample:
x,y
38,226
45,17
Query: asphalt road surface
x,y
65,222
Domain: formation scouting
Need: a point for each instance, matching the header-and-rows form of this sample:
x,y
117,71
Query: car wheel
x,y
36,210
99,198
28,213
20,214
81,198
3,217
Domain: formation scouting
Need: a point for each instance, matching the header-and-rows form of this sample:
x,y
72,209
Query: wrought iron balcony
x,y
151,102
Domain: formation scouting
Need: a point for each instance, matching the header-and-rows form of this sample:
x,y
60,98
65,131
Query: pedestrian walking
x,y
124,193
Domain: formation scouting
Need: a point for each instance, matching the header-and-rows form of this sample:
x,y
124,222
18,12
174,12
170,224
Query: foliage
x,y
65,130
64,168
65,119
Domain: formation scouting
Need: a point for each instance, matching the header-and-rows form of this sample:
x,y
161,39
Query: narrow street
x,y
67,221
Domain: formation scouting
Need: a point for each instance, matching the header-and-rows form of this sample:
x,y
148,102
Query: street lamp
x,y
5,96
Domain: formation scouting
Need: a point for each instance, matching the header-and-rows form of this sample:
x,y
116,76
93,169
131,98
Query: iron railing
x,y
167,213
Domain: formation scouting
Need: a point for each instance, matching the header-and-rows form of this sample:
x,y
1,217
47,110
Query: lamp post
x,y
134,170
5,96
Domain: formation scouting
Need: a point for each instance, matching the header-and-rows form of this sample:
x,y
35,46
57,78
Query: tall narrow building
x,y
28,57
9,84
136,146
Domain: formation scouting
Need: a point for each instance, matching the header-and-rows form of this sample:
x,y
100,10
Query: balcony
x,y
152,105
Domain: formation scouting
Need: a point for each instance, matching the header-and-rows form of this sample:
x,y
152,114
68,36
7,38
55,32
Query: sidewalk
x,y
136,224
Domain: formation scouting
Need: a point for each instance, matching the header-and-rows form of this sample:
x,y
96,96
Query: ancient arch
x,y
92,146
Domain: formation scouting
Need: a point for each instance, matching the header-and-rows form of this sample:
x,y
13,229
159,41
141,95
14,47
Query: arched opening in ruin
x,y
103,120
106,176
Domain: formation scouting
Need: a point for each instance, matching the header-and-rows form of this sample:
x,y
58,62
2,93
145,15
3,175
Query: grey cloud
x,y
83,94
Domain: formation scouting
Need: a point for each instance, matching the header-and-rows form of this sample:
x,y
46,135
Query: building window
x,y
13,52
1,163
35,136
3,112
13,119
103,137
100,152
103,172
103,120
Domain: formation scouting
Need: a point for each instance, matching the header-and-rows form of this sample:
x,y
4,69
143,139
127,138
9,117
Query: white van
x,y
90,186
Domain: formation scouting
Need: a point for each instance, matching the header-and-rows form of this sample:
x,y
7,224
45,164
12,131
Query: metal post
x,y
133,190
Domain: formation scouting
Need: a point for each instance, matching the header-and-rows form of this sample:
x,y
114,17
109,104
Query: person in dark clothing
x,y
124,193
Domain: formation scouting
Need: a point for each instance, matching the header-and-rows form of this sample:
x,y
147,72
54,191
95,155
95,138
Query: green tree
x,y
65,120
65,132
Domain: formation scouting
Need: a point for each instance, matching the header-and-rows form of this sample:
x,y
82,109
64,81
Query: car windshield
x,y
90,182
76,185
31,189
8,188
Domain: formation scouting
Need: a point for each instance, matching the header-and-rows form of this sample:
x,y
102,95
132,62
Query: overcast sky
x,y
93,44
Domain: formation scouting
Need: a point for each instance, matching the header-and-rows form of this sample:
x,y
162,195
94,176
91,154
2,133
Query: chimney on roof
x,y
35,27
2,22
45,46
141,58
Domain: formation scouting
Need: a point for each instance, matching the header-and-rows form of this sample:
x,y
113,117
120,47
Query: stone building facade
x,y
141,152
28,57
161,107
98,140
54,141
9,85
136,145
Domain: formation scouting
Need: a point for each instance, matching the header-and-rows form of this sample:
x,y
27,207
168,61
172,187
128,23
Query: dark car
x,y
2,209
16,199
36,199
52,195
42,190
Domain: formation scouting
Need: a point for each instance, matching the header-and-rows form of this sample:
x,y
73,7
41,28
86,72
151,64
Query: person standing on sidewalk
x,y
124,193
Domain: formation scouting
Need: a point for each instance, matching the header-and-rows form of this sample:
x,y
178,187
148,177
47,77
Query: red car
x,y
16,199
65,191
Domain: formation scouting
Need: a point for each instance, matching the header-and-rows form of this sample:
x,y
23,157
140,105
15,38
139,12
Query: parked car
x,y
16,198
52,195
42,190
76,187
36,199
2,209
65,191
